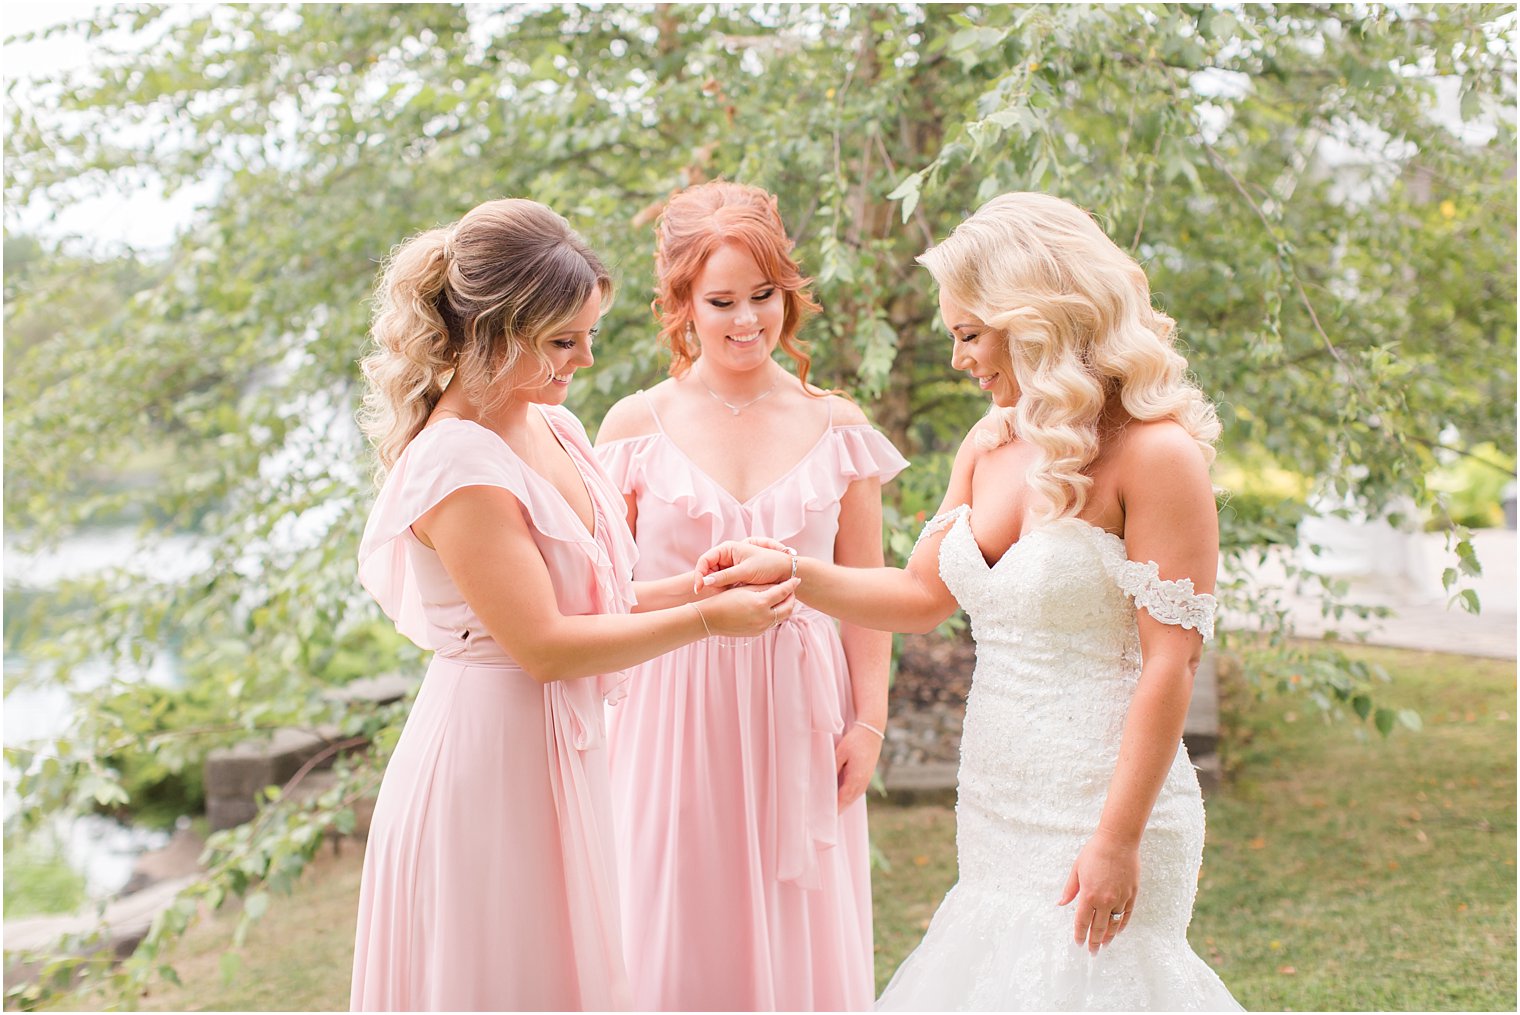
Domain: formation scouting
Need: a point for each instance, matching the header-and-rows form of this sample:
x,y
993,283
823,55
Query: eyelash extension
x,y
569,343
725,304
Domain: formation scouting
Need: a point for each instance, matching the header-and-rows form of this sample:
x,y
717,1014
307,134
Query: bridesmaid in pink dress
x,y
496,542
739,767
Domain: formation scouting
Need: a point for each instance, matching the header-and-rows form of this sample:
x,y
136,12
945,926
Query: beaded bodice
x,y
1057,663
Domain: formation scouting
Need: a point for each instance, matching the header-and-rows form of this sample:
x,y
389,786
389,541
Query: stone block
x,y
1210,773
235,775
364,807
123,925
377,690
1200,731
916,784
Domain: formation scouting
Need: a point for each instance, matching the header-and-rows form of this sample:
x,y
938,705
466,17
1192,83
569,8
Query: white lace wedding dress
x,y
1057,660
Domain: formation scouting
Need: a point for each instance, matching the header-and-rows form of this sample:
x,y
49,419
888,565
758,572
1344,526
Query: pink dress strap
x,y
808,717
659,427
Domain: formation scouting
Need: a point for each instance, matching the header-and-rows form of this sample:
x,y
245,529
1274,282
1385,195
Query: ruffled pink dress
x,y
743,887
489,878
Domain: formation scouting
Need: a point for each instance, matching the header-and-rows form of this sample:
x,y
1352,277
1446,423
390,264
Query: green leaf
x,y
907,193
1362,705
1384,720
256,905
1222,26
1410,719
1470,107
1467,558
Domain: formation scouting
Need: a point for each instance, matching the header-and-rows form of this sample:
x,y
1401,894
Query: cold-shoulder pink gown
x,y
743,887
489,879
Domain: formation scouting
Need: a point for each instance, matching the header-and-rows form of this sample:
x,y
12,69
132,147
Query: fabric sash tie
x,y
573,724
806,721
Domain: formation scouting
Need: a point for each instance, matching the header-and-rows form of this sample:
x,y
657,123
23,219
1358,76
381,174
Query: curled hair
x,y
694,225
1075,311
472,300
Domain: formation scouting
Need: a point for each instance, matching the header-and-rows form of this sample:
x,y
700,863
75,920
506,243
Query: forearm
x,y
664,593
869,656
570,647
1152,731
879,598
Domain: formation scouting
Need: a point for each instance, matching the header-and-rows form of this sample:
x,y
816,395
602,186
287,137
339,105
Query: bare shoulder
x,y
628,417
846,412
980,439
1161,446
973,446
1162,468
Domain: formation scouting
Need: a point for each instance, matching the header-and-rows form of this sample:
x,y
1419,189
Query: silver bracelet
x,y
793,552
873,729
694,606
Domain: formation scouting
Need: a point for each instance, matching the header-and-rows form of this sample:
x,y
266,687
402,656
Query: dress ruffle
x,y
1171,602
454,454
816,483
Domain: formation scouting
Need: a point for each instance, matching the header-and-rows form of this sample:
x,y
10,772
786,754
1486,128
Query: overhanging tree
x,y
1340,260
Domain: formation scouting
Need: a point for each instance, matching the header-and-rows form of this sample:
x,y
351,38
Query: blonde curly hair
x,y
1075,311
472,299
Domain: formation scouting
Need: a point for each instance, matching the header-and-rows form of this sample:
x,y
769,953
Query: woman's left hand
x,y
855,762
1105,880
741,563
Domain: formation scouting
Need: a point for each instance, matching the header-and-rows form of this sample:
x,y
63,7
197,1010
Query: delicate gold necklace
x,y
730,406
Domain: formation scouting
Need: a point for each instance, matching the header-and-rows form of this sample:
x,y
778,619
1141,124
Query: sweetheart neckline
x,y
963,515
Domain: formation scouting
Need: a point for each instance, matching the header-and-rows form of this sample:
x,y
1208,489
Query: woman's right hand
x,y
750,610
746,563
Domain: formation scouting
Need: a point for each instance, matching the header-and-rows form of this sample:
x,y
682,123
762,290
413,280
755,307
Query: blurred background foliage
x,y
1323,196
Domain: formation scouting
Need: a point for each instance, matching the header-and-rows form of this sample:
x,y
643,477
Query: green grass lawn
x,y
1338,874
1343,875
39,879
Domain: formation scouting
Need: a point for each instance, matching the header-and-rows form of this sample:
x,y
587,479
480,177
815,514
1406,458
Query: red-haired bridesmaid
x,y
739,767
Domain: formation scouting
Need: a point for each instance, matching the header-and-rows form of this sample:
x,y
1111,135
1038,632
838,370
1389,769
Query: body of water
x,y
102,849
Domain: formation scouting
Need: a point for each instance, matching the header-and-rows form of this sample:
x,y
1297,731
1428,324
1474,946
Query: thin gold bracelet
x,y
694,606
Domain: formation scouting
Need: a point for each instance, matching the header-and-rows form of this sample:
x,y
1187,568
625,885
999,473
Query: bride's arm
x,y
1170,518
911,599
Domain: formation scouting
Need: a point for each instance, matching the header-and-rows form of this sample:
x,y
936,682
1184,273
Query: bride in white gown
x,y
1079,534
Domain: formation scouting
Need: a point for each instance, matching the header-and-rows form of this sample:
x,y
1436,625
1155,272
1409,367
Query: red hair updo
x,y
696,223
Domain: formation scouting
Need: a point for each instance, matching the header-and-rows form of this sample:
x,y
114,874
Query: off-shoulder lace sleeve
x,y
1171,602
939,523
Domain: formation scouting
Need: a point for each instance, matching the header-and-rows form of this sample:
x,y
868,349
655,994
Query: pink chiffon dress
x,y
743,886
489,879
